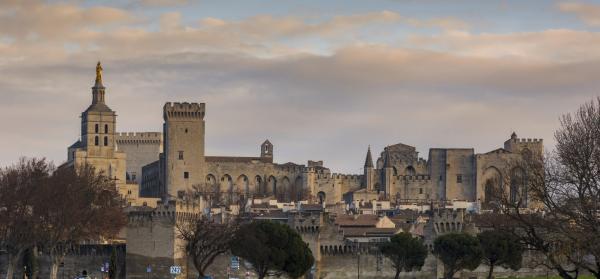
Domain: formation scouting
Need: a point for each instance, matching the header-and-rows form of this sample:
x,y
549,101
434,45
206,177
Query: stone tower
x,y
526,147
369,171
98,122
266,150
97,145
387,174
183,145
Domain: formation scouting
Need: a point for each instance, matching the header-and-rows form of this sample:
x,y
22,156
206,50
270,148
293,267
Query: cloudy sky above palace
x,y
321,79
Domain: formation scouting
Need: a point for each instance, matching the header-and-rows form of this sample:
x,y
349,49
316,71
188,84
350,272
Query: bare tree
x,y
18,186
564,188
205,240
76,205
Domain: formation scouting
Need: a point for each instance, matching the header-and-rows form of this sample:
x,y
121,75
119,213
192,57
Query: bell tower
x,y
266,150
98,122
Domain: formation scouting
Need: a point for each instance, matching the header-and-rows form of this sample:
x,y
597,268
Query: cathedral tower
x,y
97,145
98,122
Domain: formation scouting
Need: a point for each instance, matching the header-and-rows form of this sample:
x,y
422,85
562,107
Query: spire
x,y
386,161
98,103
513,135
369,159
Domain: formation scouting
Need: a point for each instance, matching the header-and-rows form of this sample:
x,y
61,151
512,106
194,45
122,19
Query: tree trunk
x,y
54,262
13,260
491,272
450,273
53,270
397,273
36,271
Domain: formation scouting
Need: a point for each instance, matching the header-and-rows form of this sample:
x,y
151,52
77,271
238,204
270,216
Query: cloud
x,y
262,78
163,3
556,45
38,21
589,13
359,95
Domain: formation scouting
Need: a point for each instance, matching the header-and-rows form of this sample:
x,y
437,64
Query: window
x,y
186,130
105,141
459,178
133,176
106,128
420,190
440,178
186,175
96,128
96,141
180,155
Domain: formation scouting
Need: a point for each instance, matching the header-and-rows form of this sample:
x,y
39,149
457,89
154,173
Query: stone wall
x,y
86,257
141,149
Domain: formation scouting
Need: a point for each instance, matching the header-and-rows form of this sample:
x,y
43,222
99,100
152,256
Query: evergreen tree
x,y
500,249
272,249
457,251
405,252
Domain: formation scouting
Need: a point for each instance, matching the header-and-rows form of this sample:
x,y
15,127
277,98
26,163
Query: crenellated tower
x,y
524,146
183,132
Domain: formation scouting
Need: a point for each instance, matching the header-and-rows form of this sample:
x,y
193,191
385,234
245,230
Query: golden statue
x,y
98,73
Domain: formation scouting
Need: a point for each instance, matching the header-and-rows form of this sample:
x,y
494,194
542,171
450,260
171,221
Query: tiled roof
x,y
369,231
311,207
227,159
362,220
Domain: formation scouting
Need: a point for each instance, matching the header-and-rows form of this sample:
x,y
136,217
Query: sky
x,y
322,80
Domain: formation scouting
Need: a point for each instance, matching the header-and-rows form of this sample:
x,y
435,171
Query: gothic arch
x,y
226,183
492,187
410,170
285,190
321,197
258,185
299,191
242,185
272,185
211,180
518,187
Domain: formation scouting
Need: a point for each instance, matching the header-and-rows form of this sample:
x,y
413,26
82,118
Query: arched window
x,y
106,128
96,141
105,141
96,128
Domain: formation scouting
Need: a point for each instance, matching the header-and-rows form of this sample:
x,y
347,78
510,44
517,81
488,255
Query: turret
x,y
368,171
387,174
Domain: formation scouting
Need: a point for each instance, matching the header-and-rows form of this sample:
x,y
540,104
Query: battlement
x,y
339,176
415,177
183,110
529,140
138,137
